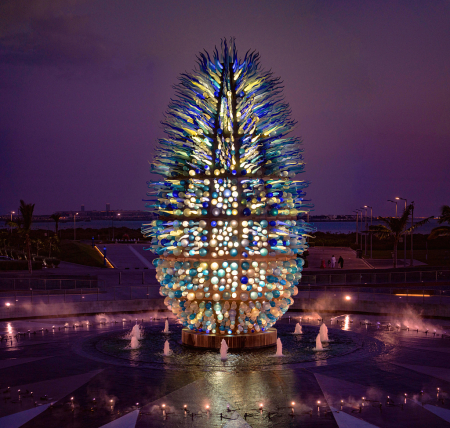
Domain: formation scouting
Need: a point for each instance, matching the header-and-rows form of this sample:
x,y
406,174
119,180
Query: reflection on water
x,y
346,325
296,348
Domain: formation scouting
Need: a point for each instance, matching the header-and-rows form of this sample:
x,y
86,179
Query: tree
x,y
56,217
52,242
395,228
27,217
442,230
38,244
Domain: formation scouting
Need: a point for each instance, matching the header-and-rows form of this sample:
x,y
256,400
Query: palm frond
x,y
381,231
418,224
439,231
445,214
27,214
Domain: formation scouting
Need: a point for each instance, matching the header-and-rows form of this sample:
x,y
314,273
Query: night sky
x,y
84,85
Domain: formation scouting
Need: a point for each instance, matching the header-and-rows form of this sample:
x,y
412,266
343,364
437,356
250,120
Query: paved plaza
x,y
392,378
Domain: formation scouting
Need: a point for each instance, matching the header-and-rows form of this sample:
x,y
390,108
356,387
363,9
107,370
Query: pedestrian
x,y
329,263
341,262
333,261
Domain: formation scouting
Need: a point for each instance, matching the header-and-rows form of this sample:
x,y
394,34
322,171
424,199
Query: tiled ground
x,y
117,393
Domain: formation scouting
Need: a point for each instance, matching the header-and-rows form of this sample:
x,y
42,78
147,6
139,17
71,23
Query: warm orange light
x,y
348,297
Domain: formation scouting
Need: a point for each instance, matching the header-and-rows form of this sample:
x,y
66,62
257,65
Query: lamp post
x,y
365,225
12,212
357,213
104,256
366,206
412,232
395,202
404,236
74,227
113,224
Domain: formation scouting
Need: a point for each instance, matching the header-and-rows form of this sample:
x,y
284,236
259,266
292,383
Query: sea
x,y
321,226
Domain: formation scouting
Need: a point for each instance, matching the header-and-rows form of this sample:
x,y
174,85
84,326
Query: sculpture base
x,y
241,341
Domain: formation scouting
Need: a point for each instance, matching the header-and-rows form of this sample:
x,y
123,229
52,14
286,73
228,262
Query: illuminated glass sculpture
x,y
228,235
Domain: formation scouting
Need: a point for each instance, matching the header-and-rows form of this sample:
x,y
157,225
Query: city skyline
x,y
84,92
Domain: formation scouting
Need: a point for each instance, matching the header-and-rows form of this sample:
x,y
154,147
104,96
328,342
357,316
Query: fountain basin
x,y
242,341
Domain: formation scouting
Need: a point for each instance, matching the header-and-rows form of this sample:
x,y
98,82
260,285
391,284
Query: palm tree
x,y
27,215
56,217
442,230
395,228
38,243
52,243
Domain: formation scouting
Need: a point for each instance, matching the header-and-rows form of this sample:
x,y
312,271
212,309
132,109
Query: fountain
x,y
323,332
136,332
135,336
212,199
223,350
319,346
167,350
166,327
279,348
134,343
298,329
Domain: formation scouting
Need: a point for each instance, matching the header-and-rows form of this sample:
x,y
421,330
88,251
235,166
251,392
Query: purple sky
x,y
84,84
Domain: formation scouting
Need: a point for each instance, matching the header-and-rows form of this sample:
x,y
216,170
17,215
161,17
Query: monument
x,y
228,235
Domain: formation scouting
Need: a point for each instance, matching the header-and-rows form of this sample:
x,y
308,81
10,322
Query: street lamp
x,y
74,227
367,206
104,256
357,212
395,202
12,212
404,236
112,218
365,226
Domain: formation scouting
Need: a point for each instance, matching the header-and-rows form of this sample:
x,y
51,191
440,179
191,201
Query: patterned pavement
x,y
404,382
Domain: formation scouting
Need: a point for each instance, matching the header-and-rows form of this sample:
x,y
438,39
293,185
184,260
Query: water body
x,y
322,226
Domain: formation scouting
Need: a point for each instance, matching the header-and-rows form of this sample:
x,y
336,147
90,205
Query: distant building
x,y
108,207
82,208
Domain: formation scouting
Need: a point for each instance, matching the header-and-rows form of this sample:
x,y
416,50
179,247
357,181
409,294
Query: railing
x,y
376,277
12,298
383,294
22,284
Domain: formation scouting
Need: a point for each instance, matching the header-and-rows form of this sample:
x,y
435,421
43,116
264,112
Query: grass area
x,y
433,257
82,254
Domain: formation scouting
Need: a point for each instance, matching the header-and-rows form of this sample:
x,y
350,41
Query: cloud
x,y
47,32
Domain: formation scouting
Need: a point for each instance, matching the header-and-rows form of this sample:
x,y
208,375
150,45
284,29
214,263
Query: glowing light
x,y
413,295
228,237
348,297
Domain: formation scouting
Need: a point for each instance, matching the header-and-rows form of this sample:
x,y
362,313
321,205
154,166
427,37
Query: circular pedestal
x,y
241,341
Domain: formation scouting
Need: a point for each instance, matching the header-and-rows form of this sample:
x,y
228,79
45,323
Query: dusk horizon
x,y
84,93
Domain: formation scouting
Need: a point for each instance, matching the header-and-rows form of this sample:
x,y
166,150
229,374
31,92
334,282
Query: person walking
x,y
333,261
341,262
